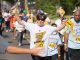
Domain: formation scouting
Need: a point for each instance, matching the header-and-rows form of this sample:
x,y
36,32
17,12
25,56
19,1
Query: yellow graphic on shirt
x,y
77,39
70,25
52,45
39,42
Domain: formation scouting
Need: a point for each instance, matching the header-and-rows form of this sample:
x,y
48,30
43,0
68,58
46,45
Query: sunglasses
x,y
41,19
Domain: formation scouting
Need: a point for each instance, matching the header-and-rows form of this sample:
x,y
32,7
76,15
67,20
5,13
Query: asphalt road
x,y
9,37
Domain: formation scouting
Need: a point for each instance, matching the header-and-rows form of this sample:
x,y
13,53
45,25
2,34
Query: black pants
x,y
7,25
1,31
20,37
63,53
74,54
54,57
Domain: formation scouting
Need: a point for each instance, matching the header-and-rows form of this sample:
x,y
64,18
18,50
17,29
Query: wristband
x,y
59,55
65,44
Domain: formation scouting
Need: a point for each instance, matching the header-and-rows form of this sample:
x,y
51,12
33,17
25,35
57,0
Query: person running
x,y
39,33
54,43
1,24
12,21
61,34
20,30
72,37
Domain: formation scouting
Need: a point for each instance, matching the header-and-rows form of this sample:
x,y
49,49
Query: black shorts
x,y
54,57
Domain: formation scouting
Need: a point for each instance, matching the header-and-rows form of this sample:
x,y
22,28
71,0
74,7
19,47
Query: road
x,y
9,37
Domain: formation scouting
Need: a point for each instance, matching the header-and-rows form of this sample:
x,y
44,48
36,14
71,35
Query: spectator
x,y
12,21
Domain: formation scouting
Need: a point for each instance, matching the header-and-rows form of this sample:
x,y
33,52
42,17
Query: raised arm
x,y
17,16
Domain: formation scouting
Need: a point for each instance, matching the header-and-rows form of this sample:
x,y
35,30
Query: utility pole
x,y
0,5
26,4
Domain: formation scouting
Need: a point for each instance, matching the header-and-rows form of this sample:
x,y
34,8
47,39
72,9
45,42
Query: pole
x,y
0,5
26,4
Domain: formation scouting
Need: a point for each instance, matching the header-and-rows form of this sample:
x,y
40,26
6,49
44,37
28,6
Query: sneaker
x,y
9,30
19,44
6,30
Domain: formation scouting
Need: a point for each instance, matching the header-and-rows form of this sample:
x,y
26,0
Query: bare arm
x,y
61,26
12,49
2,26
65,38
59,55
65,41
17,17
17,50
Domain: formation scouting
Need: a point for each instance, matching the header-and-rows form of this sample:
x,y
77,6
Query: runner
x,y
39,34
72,37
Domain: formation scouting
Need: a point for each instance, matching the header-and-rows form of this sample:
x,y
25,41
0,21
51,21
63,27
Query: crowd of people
x,y
47,41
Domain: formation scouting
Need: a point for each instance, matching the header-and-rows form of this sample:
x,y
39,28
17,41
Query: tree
x,y
68,6
10,1
46,6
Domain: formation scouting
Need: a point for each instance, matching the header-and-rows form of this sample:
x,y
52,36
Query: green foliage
x,y
10,1
49,6
68,6
46,5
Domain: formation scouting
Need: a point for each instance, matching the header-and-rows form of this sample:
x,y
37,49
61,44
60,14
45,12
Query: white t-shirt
x,y
18,27
38,33
6,15
72,43
53,42
58,23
